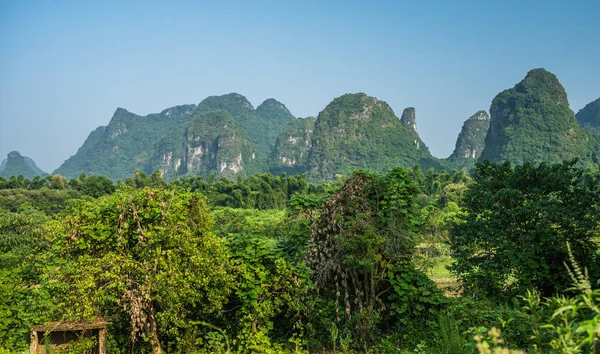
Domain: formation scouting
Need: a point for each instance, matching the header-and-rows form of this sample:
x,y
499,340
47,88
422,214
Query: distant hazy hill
x,y
533,122
15,165
126,144
358,131
589,117
226,136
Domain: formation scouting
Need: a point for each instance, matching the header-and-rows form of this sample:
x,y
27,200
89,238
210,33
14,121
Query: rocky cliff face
x,y
589,117
274,115
409,119
533,122
214,143
358,131
263,125
471,139
169,155
15,165
292,147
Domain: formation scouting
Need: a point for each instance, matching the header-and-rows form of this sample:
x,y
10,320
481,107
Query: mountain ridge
x,y
156,141
530,122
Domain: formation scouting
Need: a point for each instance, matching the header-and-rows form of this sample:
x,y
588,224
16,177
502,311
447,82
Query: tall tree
x,y
359,234
517,224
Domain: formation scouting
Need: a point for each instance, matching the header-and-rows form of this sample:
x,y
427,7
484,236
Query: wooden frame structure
x,y
61,334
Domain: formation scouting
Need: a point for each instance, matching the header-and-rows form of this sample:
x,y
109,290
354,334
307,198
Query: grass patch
x,y
439,269
434,260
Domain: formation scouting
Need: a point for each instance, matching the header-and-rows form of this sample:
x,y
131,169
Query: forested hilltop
x,y
530,122
184,140
533,122
401,262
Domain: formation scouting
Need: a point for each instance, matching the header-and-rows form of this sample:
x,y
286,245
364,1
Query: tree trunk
x,y
156,349
154,341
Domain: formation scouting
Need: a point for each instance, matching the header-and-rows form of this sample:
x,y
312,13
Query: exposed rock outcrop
x,y
471,139
293,146
214,143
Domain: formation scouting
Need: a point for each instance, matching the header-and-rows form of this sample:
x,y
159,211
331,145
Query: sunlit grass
x,y
439,269
433,260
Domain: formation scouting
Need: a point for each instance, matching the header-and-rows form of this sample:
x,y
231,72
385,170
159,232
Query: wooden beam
x,y
33,337
102,341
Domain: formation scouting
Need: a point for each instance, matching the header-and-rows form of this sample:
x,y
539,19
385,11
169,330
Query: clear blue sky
x,y
66,65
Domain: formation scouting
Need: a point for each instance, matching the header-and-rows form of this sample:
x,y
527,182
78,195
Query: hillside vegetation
x,y
276,264
358,131
533,122
589,117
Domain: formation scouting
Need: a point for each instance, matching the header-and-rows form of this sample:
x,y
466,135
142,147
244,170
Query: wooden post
x,y
102,341
33,336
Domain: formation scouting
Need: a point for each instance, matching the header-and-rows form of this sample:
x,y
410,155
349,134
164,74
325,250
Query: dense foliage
x,y
48,201
518,223
360,249
23,302
146,257
275,264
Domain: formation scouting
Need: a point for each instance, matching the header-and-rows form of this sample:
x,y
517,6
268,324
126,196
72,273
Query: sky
x,y
66,65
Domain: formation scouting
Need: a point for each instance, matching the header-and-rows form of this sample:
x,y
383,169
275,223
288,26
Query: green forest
x,y
502,259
